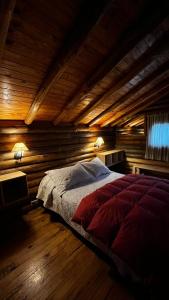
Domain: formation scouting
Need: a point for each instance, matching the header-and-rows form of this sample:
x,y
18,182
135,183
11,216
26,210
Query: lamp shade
x,y
19,147
99,141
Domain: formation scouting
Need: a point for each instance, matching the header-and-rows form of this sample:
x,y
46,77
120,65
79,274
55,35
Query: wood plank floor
x,y
41,258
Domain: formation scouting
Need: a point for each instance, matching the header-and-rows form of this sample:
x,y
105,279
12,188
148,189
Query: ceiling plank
x,y
6,11
137,66
161,90
128,40
129,104
89,16
160,71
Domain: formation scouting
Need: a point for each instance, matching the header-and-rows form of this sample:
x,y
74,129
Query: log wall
x,y
133,141
49,147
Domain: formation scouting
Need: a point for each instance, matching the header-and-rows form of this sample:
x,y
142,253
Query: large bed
x,y
67,204
145,198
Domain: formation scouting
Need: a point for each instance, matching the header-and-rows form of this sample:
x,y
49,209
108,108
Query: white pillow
x,y
54,172
70,177
96,167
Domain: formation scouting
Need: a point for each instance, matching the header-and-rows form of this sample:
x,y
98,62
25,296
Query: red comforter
x,y
131,215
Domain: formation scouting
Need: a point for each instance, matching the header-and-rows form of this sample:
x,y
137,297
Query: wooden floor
x,y
40,258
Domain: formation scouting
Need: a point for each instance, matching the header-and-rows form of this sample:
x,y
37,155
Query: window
x,y
159,135
157,146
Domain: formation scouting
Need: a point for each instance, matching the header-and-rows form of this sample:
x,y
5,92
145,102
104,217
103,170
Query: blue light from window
x,y
159,135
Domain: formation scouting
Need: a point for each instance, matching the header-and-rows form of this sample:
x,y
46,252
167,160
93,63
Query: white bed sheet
x,y
67,204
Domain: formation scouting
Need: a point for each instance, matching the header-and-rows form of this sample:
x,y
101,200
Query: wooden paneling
x,y
136,65
123,39
46,40
133,141
82,61
128,97
161,105
88,17
36,32
49,147
6,11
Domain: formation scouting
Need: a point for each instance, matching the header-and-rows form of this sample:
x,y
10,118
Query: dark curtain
x,y
157,130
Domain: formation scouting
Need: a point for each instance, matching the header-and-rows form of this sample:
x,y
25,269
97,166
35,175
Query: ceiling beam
x,y
150,97
138,103
127,41
129,104
157,107
120,102
135,121
164,92
6,11
88,18
137,66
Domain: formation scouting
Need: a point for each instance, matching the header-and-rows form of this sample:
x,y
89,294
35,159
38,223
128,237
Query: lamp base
x,y
18,155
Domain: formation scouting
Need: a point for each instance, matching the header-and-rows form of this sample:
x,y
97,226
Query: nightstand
x,y
112,157
13,189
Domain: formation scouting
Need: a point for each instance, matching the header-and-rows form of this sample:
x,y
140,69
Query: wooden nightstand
x,y
112,157
13,189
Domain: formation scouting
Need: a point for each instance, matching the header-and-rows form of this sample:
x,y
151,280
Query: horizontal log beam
x,y
34,167
48,149
148,162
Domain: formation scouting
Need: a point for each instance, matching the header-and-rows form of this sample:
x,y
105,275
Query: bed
x,y
70,203
67,204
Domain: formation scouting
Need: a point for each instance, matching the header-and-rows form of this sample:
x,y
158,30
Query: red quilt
x,y
131,215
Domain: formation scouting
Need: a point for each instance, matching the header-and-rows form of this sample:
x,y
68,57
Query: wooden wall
x,y
133,141
49,147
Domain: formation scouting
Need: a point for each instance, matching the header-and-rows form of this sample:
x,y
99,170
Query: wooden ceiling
x,y
83,62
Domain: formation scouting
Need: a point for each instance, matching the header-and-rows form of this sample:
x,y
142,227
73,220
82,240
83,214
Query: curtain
x,y
157,130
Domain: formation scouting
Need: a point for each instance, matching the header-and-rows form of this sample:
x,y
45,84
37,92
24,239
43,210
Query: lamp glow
x,y
99,142
19,149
